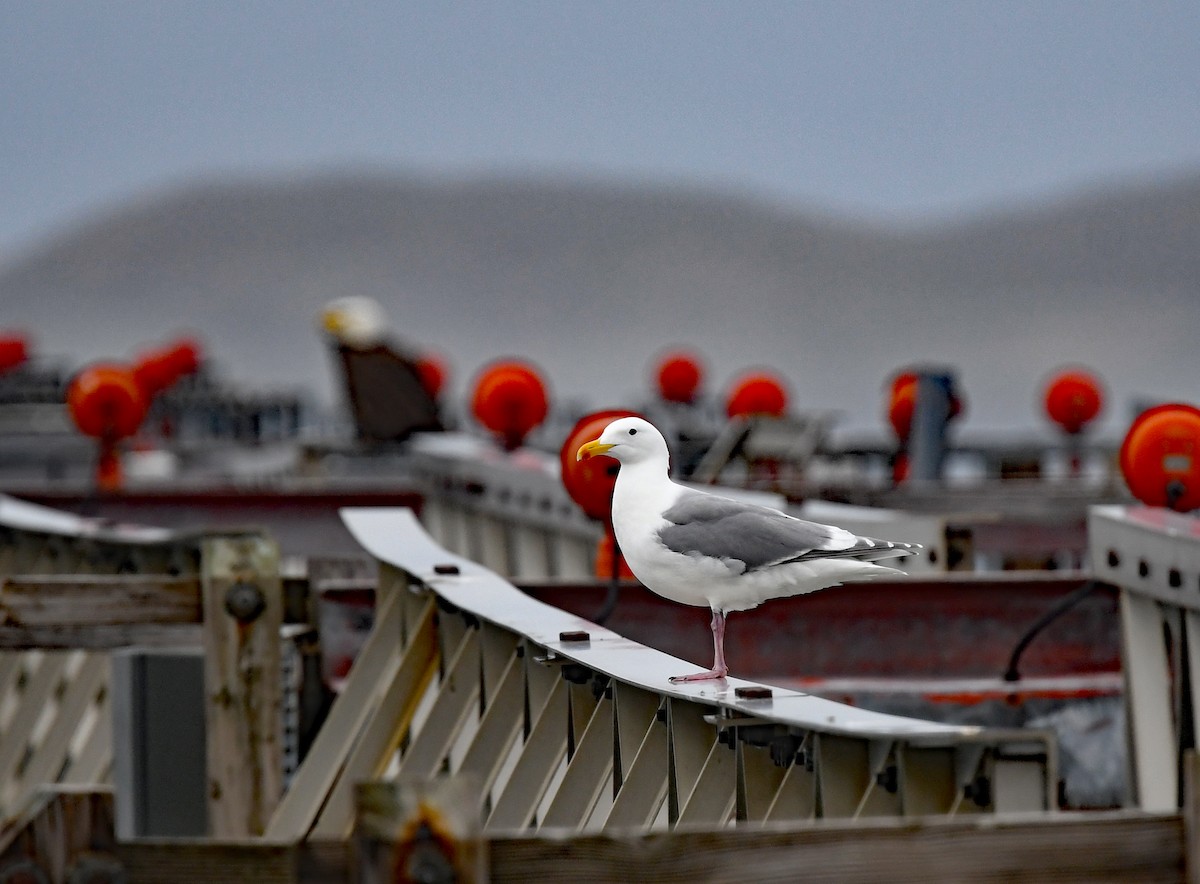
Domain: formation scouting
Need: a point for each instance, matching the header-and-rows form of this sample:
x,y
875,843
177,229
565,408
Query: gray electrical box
x,y
158,742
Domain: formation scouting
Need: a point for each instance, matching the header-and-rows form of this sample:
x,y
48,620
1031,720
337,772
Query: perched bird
x,y
356,321
698,548
383,382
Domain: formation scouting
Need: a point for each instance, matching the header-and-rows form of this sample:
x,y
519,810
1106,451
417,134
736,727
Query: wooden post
x,y
1191,816
243,611
419,830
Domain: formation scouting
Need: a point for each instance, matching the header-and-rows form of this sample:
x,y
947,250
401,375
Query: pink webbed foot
x,y
706,675
719,670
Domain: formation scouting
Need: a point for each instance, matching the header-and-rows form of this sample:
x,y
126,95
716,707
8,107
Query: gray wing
x,y
758,537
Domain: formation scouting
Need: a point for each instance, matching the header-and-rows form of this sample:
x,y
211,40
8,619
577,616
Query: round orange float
x,y
1160,457
431,372
156,370
1073,399
510,400
679,377
757,394
590,482
106,402
14,351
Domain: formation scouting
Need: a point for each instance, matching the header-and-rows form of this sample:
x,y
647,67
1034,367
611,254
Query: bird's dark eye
x,y
632,432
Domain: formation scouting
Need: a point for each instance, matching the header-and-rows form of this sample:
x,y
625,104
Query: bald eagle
x,y
385,393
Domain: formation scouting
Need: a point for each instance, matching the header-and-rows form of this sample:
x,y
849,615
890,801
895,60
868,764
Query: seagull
x,y
698,548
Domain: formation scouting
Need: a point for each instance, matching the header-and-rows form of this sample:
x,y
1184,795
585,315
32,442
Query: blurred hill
x,y
592,280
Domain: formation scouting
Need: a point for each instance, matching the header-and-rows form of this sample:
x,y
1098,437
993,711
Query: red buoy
x,y
106,402
14,351
431,372
1160,457
679,377
590,482
757,394
510,400
1073,398
156,370
902,402
606,568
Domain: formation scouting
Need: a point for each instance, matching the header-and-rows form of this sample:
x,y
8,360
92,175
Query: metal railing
x,y
1153,555
564,724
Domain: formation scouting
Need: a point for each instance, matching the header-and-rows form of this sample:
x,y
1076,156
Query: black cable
x,y
1063,605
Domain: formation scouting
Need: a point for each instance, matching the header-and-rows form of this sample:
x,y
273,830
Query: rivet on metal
x,y
244,602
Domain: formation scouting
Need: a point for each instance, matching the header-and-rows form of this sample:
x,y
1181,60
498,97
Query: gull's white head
x,y
355,321
630,440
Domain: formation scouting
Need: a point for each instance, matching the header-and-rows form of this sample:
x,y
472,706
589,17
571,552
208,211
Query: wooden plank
x,y
644,785
58,828
103,637
588,773
203,862
243,688
758,781
37,694
1063,848
1191,813
499,726
92,600
93,764
796,797
711,801
327,755
382,731
50,755
1154,755
540,757
458,688
1079,848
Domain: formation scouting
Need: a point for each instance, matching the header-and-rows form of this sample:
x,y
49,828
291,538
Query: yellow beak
x,y
332,321
591,449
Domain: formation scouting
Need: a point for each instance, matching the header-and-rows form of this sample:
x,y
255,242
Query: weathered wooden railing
x,y
578,747
71,589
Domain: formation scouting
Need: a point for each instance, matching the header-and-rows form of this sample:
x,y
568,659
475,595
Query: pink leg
x,y
719,670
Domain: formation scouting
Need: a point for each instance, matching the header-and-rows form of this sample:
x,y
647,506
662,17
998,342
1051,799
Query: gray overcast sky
x,y
896,110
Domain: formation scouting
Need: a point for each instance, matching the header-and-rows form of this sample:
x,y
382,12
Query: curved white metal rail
x,y
565,724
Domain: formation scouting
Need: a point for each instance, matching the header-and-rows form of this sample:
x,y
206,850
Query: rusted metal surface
x,y
965,626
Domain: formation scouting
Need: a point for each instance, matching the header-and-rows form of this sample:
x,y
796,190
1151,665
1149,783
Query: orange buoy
x,y
14,351
902,403
757,394
106,402
1073,398
156,370
510,400
432,372
1160,457
606,568
679,377
590,482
